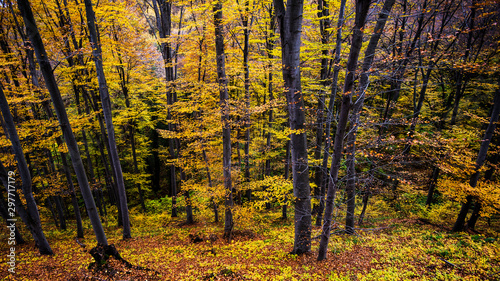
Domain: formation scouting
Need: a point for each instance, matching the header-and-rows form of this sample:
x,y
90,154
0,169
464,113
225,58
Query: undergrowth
x,y
388,246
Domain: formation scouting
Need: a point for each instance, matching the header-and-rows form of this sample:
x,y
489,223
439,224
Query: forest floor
x,y
164,249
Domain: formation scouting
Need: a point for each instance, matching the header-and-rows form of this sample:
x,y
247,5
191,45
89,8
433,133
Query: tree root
x,y
101,254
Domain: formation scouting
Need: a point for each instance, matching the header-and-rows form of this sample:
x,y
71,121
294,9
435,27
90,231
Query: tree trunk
x,y
226,129
106,108
50,206
163,11
62,116
329,114
270,43
324,26
432,185
60,211
362,7
246,69
43,244
290,25
5,215
355,115
287,175
481,156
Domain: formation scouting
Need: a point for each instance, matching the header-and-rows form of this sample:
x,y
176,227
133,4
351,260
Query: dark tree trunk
x,y
471,223
287,175
60,211
481,156
432,185
50,206
39,236
5,215
270,43
246,51
163,11
356,111
106,107
324,26
68,135
366,196
290,25
329,114
362,7
226,129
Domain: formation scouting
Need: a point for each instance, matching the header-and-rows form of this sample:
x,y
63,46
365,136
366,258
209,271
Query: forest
x,y
250,140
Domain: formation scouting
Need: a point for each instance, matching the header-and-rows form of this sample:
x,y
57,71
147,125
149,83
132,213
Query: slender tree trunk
x,y
60,211
226,129
362,7
43,244
106,107
287,175
356,111
432,185
460,89
270,43
50,206
163,11
5,215
62,116
324,26
366,196
481,156
329,114
246,52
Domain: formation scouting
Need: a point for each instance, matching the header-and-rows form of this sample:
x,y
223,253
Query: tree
x,y
356,111
330,113
481,157
224,105
290,25
106,106
362,7
50,82
38,235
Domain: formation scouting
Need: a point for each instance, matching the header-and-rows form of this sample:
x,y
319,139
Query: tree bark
x,y
324,25
481,156
226,128
106,108
5,215
62,116
290,25
329,114
356,111
39,236
362,7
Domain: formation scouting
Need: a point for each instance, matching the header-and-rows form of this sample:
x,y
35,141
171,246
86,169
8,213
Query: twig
x,y
81,244
448,263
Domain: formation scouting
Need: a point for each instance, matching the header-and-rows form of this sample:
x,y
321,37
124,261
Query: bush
x,y
158,206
